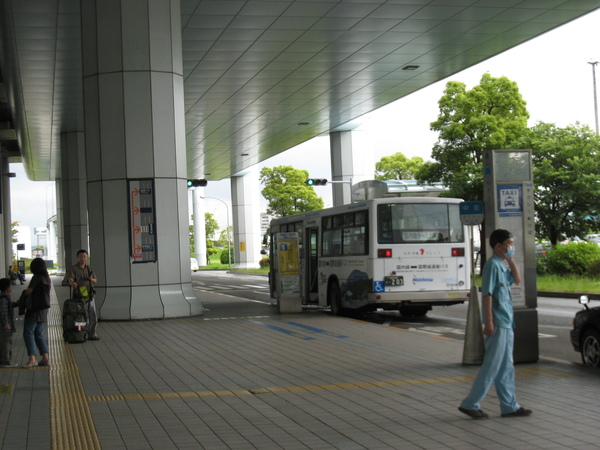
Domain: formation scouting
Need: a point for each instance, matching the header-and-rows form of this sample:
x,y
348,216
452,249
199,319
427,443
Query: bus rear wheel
x,y
335,299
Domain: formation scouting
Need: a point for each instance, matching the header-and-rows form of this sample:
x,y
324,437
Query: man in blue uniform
x,y
499,273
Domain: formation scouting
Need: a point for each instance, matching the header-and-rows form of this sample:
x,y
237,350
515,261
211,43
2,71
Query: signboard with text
x,y
142,220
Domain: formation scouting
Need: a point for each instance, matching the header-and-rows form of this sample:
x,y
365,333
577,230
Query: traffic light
x,y
316,181
196,183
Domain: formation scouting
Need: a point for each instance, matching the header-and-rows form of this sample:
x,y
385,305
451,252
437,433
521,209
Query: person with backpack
x,y
82,279
36,313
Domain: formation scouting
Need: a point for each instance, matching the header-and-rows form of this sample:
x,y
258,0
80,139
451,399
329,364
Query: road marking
x,y
316,330
285,331
520,373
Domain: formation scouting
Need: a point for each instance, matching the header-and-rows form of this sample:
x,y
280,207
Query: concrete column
x,y
199,226
71,198
59,229
351,160
5,217
245,203
135,135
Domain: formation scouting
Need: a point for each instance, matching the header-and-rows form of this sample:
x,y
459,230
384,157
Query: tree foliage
x,y
492,115
397,167
286,191
566,174
211,225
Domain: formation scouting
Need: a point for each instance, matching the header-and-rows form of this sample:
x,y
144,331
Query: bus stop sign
x,y
471,213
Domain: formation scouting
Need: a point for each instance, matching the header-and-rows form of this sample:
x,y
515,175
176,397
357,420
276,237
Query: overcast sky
x,y
552,73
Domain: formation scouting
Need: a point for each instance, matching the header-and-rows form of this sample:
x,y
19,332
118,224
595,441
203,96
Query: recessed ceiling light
x,y
410,67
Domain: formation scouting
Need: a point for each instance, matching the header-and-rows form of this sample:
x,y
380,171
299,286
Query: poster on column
x,y
510,217
142,219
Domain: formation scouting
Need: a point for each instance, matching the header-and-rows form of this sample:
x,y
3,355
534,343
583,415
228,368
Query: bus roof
x,y
363,205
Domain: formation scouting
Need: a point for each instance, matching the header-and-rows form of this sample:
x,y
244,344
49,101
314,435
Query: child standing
x,y
7,324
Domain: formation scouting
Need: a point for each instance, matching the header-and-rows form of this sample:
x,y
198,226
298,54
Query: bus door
x,y
312,265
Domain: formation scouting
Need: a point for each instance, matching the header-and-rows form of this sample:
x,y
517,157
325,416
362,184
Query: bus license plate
x,y
393,281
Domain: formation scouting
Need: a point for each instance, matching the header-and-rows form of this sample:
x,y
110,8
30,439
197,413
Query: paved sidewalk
x,y
244,377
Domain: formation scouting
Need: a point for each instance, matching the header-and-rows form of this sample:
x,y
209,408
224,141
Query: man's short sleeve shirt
x,y
496,281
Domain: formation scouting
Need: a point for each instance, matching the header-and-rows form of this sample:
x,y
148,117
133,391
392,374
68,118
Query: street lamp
x,y
228,237
594,64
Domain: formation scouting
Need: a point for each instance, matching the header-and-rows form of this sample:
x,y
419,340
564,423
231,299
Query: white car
x,y
194,264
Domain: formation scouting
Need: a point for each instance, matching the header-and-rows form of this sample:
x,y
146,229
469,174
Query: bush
x,y
594,269
225,256
265,262
541,265
572,258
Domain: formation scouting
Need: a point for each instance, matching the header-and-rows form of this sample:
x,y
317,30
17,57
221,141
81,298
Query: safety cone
x,y
474,349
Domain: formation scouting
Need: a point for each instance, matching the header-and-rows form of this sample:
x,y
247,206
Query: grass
x,y
564,283
215,264
568,283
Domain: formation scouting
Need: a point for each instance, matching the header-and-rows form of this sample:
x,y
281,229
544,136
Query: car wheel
x,y
590,348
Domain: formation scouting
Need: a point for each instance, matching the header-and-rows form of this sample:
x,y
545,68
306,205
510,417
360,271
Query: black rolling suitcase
x,y
74,318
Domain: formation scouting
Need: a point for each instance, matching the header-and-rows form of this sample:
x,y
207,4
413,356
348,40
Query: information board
x,y
142,220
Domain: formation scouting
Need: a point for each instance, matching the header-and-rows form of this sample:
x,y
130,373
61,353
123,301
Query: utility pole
x,y
594,64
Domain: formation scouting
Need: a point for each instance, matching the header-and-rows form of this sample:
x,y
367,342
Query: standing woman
x,y
37,313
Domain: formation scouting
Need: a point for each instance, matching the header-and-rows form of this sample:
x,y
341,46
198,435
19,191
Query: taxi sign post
x,y
509,204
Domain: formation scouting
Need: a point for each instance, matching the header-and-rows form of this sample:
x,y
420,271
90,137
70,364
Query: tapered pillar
x,y
245,205
72,205
135,159
5,230
351,162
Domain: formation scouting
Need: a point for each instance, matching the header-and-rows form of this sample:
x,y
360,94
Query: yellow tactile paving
x,y
521,373
71,422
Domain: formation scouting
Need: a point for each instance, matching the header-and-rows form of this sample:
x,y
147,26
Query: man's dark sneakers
x,y
521,412
474,413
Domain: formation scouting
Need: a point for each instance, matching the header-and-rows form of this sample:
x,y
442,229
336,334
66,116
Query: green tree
x,y
226,236
397,167
492,115
14,232
566,175
211,224
286,191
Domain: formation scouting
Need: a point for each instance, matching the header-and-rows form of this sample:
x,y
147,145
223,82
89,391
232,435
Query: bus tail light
x,y
460,251
384,253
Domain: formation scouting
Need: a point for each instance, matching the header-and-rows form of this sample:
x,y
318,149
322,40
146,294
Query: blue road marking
x,y
289,332
316,330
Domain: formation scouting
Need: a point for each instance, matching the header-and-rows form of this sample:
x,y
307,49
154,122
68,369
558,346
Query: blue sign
x,y
378,286
510,200
471,213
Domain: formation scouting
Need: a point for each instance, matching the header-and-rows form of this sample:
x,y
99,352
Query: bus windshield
x,y
410,223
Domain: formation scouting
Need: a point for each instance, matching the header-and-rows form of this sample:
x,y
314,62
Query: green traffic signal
x,y
316,181
197,183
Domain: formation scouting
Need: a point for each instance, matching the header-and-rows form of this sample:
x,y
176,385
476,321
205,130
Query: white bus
x,y
400,253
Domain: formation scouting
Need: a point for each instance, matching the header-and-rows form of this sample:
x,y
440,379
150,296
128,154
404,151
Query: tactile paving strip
x,y
71,421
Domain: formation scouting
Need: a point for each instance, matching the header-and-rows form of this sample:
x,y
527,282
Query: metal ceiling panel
x,y
262,76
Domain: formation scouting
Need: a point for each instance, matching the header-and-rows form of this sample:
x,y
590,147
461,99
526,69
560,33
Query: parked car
x,y
194,264
593,238
585,335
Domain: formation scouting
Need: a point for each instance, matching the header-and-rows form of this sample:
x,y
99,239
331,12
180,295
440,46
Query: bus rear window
x,y
403,223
